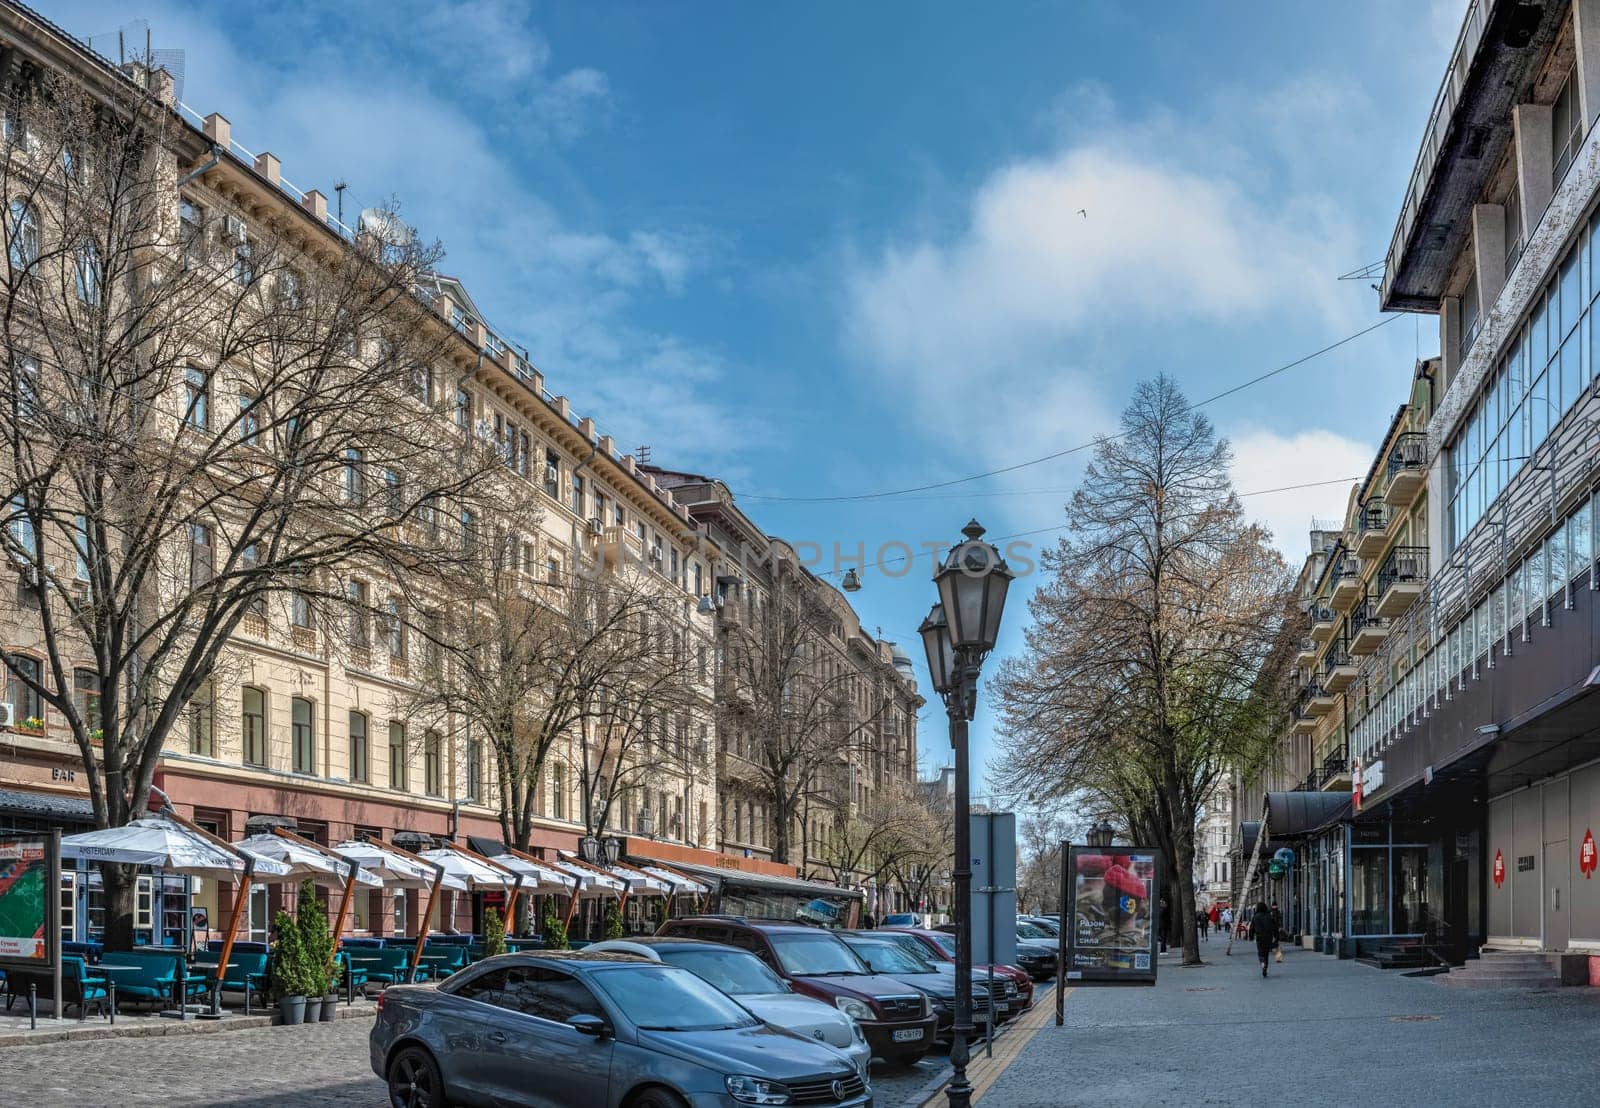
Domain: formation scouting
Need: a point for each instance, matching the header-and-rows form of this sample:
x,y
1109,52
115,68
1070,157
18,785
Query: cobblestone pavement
x,y
286,1067
1319,1031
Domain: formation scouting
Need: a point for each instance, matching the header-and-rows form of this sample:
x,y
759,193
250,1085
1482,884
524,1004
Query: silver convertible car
x,y
555,1029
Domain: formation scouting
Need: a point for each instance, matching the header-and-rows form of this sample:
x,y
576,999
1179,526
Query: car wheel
x,y
658,1098
415,1080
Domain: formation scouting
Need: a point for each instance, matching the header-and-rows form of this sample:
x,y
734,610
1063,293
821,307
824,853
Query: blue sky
x,y
831,249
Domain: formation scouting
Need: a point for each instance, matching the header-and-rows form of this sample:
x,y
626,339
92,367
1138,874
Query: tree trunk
x,y
780,831
120,883
1184,842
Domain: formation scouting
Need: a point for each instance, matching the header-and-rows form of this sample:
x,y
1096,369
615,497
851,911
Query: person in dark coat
x,y
1264,929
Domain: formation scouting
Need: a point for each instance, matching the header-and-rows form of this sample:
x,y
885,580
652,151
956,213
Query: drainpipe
x,y
577,471
216,159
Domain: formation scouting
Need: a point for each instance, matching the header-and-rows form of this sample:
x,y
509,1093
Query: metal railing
x,y
1365,614
1375,516
1404,565
1338,655
1332,766
1409,452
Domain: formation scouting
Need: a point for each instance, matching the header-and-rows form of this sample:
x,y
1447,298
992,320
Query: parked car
x,y
1050,927
1036,951
560,1028
940,946
752,983
882,956
898,1021
900,919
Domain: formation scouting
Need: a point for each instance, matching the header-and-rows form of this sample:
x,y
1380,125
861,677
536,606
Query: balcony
x,y
1305,720
1408,469
1367,628
1306,657
1322,620
1319,701
1400,580
1372,528
1335,772
1345,577
618,546
1338,668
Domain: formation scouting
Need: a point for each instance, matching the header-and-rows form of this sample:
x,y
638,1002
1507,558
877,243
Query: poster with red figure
x,y
1112,917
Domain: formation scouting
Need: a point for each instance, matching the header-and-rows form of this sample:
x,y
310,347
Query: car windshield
x,y
1029,931
887,958
666,998
815,955
735,972
946,943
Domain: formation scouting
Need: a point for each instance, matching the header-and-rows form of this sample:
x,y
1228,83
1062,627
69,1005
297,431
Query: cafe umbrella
x,y
401,869
308,859
480,874
171,844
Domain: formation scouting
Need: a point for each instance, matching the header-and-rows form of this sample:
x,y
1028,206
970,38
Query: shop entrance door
x,y
1557,869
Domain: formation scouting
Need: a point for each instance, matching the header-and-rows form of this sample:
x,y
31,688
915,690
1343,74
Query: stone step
x,y
1502,981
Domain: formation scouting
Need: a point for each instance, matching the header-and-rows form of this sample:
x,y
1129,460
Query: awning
x,y
538,877
595,883
720,879
167,845
682,885
67,809
1302,812
304,861
397,870
477,874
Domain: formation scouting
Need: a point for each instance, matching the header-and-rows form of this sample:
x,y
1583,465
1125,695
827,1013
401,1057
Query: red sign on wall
x,y
1586,854
1499,869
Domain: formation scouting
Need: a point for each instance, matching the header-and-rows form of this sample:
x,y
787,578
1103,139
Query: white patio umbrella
x,y
480,873
172,844
308,859
594,882
401,869
681,885
539,878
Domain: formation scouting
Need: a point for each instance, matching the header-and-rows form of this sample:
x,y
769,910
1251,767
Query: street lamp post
x,y
958,634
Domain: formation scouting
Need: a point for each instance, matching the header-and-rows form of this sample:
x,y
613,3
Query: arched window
x,y
24,232
86,265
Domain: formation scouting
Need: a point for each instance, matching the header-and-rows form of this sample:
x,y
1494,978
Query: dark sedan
x,y
885,957
557,1029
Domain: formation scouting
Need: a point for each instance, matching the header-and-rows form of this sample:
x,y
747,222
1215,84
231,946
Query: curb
x,y
1032,1020
148,1028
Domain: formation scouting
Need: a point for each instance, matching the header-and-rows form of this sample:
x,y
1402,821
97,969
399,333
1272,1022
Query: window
x,y
620,516
191,227
354,477
577,495
200,733
463,411
524,449
397,755
25,700
80,547
288,287
86,692
469,530
301,742
300,613
24,230
394,631
474,782
394,492
244,258
356,626
599,505
558,793
550,995
1470,317
433,764
253,723
358,747
202,555
28,387
196,399
699,581
249,420
1513,228
552,474
86,272
1566,129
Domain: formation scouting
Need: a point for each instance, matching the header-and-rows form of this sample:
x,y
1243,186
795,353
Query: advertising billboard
x,y
1112,900
28,883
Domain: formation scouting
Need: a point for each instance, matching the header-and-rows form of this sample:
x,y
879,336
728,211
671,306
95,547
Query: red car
x,y
941,947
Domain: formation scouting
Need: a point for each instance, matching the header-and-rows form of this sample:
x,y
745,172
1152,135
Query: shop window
x,y
144,901
69,906
1369,892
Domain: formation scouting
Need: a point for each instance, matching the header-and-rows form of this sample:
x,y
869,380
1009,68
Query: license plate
x,y
907,1035
1003,1006
980,1017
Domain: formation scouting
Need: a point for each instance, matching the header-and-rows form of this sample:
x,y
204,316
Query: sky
x,y
833,250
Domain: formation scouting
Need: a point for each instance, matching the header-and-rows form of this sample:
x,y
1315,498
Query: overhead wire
x,y
884,494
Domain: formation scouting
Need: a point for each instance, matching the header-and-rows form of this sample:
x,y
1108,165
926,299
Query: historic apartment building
x,y
305,719
865,749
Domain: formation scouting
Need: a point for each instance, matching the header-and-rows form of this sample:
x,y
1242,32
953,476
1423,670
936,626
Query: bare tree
x,y
1143,677
535,654
794,705
207,419
865,840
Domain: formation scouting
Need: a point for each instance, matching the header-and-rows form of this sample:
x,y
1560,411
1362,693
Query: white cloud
x,y
1265,460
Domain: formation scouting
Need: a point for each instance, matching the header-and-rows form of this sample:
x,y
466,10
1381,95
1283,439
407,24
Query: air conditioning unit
x,y
8,716
597,527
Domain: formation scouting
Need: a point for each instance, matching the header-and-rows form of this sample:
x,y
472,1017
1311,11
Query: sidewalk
x,y
1319,1031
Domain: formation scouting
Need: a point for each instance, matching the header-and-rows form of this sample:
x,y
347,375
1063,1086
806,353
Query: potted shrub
x,y
494,933
613,923
288,969
555,931
312,923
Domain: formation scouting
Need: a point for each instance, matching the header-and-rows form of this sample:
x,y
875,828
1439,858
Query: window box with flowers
x,y
31,725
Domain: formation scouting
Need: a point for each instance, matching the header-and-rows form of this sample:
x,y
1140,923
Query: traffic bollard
x,y
111,989
33,1006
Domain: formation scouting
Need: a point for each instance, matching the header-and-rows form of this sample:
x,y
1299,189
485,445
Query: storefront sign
x,y
1525,863
1111,933
1499,869
1586,855
29,878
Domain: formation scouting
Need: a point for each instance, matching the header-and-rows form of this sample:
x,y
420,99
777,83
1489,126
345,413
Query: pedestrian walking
x,y
1205,926
1277,926
1216,918
1227,922
1161,922
1264,930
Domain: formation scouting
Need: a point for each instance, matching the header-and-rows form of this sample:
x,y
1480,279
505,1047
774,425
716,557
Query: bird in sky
x,y
1084,212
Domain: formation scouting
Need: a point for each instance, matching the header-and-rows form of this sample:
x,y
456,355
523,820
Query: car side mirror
x,y
593,1026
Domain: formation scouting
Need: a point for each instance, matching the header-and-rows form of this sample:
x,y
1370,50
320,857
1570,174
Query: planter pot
x,y
330,1008
313,1009
291,1009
